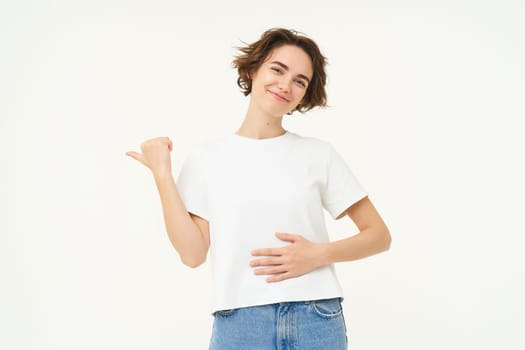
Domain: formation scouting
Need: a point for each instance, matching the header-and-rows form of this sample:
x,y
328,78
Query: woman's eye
x,y
276,69
301,83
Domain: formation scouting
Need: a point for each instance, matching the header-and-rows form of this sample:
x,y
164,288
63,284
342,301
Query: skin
x,y
188,233
278,86
276,90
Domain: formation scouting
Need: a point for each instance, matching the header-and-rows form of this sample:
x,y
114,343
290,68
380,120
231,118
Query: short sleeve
x,y
340,188
192,183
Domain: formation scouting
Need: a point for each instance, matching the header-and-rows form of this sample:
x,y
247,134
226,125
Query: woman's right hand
x,y
155,155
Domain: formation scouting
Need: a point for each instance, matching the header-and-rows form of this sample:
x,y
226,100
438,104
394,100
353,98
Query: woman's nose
x,y
284,84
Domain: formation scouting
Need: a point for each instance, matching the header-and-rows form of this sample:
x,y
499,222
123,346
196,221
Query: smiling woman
x,y
284,78
254,55
255,198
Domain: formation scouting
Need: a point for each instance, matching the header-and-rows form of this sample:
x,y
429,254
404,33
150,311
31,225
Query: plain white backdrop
x,y
426,107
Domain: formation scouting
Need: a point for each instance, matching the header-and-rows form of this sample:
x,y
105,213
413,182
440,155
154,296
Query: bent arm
x,y
189,234
373,237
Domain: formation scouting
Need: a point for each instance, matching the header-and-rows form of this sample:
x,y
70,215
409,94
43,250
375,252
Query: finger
x,y
267,252
279,277
287,237
270,270
266,262
134,155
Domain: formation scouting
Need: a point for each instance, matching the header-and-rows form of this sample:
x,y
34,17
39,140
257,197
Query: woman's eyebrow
x,y
285,67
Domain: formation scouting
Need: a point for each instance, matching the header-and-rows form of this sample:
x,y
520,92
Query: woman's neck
x,y
258,125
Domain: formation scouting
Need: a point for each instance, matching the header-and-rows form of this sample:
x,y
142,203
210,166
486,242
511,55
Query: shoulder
x,y
209,146
313,144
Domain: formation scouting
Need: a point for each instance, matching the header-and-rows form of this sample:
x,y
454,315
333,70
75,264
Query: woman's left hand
x,y
299,257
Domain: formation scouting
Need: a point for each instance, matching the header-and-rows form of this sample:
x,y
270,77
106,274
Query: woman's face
x,y
280,83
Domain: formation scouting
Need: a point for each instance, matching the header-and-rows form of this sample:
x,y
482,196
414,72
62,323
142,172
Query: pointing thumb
x,y
134,155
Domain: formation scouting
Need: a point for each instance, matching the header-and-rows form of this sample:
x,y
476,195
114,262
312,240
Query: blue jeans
x,y
304,325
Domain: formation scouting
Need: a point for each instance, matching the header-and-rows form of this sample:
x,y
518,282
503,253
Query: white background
x,y
426,99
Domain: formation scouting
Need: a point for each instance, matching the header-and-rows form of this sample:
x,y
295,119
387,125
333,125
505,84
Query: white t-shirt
x,y
249,189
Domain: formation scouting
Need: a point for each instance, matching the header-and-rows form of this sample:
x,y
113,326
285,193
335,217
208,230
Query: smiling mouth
x,y
278,97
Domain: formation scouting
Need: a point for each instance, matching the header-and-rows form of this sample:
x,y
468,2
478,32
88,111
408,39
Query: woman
x,y
255,199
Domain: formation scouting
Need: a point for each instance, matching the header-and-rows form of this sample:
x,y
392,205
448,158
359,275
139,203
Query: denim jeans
x,y
304,325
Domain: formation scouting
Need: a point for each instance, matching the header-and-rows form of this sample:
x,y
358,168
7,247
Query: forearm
x,y
368,242
183,232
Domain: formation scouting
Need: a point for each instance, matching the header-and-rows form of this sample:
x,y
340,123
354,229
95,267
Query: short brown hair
x,y
253,55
